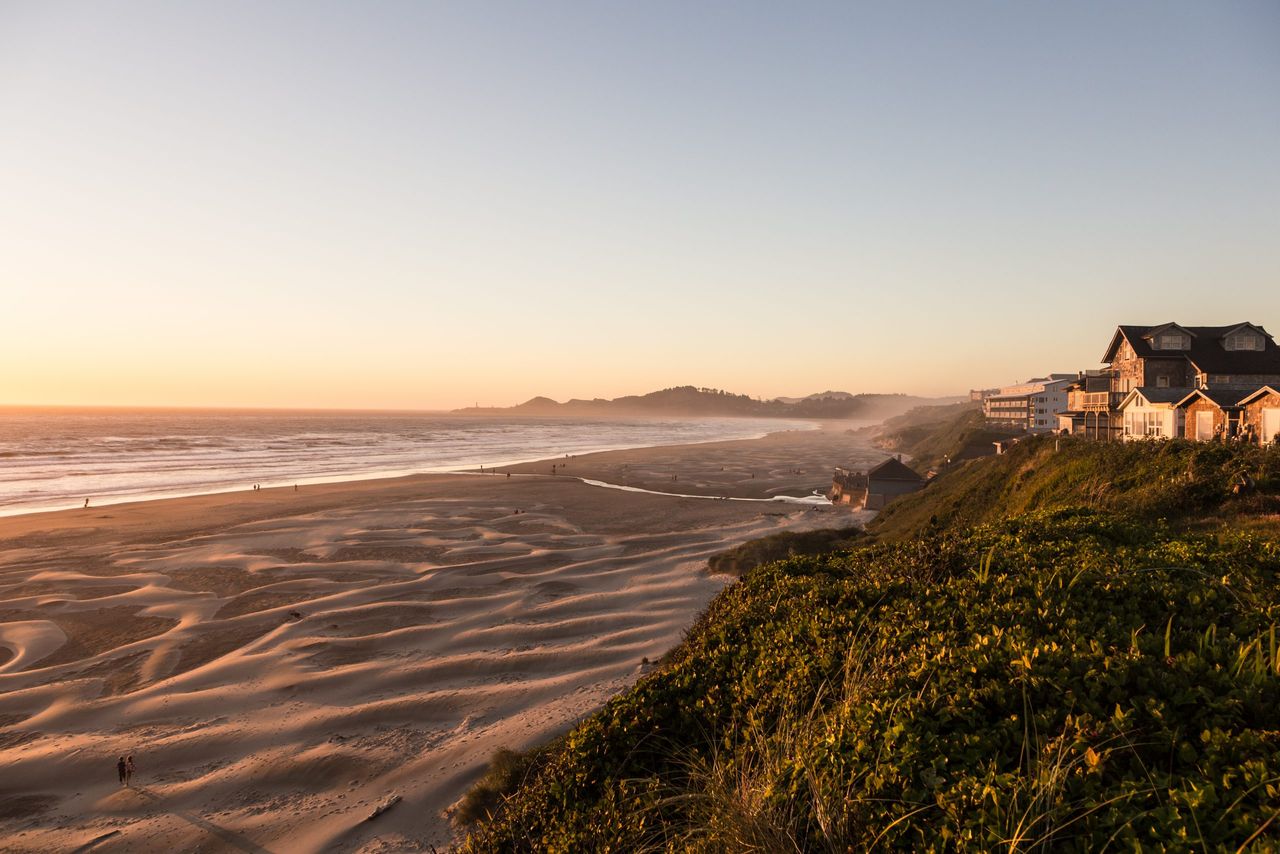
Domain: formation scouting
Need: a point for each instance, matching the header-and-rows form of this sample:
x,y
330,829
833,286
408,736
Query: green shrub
x,y
1071,679
780,546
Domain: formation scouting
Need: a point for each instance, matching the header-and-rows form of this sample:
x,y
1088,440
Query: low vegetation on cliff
x,y
1072,646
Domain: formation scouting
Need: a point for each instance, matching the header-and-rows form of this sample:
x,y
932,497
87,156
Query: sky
x,y
434,204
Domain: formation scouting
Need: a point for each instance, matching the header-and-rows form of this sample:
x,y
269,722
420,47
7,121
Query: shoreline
x,y
282,662
383,474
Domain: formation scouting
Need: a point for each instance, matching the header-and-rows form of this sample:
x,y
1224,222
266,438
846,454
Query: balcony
x,y
1093,401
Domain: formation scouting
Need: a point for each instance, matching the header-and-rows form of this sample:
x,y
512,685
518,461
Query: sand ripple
x,y
279,677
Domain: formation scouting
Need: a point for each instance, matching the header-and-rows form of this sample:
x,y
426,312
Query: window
x,y
1244,341
1155,424
1162,382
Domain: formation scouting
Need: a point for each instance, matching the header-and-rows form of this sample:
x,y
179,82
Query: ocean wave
x,y
64,459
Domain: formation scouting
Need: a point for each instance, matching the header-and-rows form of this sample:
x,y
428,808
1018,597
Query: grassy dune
x,y
1068,647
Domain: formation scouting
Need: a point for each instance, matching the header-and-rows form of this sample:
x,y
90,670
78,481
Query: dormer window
x,y
1243,340
1172,341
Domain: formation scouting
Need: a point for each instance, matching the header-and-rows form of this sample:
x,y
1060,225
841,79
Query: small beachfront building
x,y
848,487
1152,413
876,488
889,480
1210,414
1260,415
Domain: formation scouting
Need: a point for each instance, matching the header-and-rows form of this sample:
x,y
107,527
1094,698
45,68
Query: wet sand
x,y
281,662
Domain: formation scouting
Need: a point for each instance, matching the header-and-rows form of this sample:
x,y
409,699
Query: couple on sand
x,y
125,768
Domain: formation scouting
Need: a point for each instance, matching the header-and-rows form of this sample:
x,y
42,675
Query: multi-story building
x,y
1147,389
1032,406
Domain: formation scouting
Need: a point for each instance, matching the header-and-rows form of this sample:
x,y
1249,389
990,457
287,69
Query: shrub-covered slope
x,y
961,435
1176,479
1065,679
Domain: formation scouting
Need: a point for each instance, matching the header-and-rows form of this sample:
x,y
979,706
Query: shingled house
x,y
1211,413
1153,371
1260,415
877,487
1241,356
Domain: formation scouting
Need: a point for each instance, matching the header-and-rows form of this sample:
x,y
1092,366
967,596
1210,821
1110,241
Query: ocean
x,y
55,459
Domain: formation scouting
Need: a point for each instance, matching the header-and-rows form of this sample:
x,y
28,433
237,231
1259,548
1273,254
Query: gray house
x,y
877,487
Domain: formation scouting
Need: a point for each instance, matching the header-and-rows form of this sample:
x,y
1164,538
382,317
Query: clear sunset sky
x,y
436,203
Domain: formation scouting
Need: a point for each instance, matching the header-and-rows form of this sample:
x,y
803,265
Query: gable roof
x,y
893,469
1223,398
1240,326
1254,395
1165,327
1206,353
1153,395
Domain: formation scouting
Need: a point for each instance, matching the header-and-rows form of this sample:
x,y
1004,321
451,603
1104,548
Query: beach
x,y
282,662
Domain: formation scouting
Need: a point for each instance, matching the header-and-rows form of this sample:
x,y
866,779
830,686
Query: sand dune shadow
x,y
228,836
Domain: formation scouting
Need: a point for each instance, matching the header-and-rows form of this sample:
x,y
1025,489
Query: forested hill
x,y
1071,647
691,401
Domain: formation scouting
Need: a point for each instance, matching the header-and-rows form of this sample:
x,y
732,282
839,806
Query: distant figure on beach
x,y
122,768
508,475
295,487
86,502
128,770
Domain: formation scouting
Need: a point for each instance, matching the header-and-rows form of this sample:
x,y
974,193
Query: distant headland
x,y
689,400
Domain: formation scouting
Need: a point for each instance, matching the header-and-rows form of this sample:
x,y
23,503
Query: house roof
x,y
1254,395
1207,352
893,469
1223,398
1155,395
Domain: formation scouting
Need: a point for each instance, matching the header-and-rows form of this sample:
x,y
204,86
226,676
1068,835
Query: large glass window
x,y
1155,424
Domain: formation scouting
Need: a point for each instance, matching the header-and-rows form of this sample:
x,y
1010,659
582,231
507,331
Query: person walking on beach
x,y
86,504
128,770
122,768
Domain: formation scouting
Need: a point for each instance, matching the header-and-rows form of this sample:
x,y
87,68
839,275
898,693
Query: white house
x,y
1152,413
1032,406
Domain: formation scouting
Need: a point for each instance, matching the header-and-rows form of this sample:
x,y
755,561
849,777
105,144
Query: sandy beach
x,y
282,662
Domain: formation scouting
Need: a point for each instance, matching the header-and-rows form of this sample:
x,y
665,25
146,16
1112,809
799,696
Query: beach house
x,y
1211,413
1260,415
1152,413
1166,360
873,489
